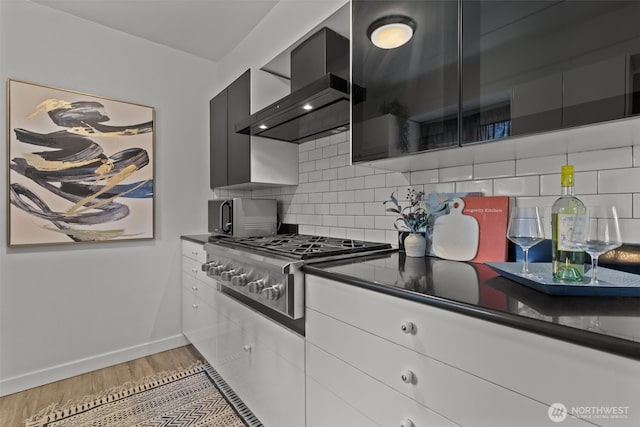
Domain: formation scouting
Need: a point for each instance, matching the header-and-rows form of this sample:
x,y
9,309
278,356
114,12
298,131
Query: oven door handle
x,y
225,226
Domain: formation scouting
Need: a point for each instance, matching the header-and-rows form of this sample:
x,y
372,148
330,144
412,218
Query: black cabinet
x,y
532,66
405,99
230,151
479,70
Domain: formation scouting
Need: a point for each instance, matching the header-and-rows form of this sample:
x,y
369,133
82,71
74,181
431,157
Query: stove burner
x,y
352,244
310,245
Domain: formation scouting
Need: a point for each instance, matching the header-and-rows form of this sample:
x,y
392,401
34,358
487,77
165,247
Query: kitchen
x,y
140,315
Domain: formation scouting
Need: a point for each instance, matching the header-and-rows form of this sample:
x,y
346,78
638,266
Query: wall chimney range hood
x,y
319,102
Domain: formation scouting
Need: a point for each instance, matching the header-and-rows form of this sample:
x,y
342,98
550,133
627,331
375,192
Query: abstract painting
x,y
81,167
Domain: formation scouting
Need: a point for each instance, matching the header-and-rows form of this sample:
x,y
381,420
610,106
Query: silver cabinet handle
x,y
408,327
194,288
246,347
195,306
194,252
408,377
195,270
407,423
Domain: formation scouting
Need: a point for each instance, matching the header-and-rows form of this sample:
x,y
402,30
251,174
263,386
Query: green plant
x,y
413,217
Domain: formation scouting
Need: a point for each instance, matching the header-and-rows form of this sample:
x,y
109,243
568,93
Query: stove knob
x,y
239,280
215,271
227,275
209,265
273,292
256,286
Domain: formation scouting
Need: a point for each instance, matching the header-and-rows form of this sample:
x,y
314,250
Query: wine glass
x,y
525,230
596,232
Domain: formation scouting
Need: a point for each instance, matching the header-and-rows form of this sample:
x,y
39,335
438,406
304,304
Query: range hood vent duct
x,y
319,102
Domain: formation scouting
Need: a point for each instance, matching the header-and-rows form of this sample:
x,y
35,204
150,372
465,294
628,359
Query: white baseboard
x,y
82,366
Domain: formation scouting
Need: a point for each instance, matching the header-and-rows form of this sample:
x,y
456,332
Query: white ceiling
x,y
205,28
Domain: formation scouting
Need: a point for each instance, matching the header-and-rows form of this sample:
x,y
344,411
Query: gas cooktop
x,y
302,246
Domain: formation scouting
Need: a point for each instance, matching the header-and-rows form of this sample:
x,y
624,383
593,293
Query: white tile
x,y
338,232
446,187
308,209
330,220
367,195
636,156
315,176
323,142
485,186
323,186
374,181
303,157
321,209
337,209
365,222
374,208
424,177
458,173
541,165
322,230
391,237
364,170
330,151
630,230
303,177
346,221
346,196
382,194
315,154
307,229
586,182
518,186
308,166
494,170
375,235
636,206
384,222
300,198
337,138
339,161
355,233
622,202
397,179
330,197
346,172
323,164
329,174
355,208
290,218
307,146
356,183
344,147
619,181
338,184
602,159
550,185
315,197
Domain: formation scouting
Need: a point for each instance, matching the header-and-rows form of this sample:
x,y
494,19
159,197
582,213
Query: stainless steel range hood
x,y
319,102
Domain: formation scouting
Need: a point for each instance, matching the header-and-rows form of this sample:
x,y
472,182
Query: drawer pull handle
x,y
194,252
195,270
195,306
408,377
194,288
407,423
408,327
246,347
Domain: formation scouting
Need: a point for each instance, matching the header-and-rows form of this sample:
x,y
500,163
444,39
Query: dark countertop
x,y
196,238
610,324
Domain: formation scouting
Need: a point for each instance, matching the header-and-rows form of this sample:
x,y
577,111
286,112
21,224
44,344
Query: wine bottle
x,y
567,259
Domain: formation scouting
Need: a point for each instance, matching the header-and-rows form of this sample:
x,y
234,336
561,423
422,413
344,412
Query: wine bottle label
x,y
566,235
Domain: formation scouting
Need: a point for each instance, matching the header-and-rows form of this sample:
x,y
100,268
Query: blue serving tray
x,y
612,282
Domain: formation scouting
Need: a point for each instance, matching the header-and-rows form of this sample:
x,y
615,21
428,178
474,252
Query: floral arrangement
x,y
413,217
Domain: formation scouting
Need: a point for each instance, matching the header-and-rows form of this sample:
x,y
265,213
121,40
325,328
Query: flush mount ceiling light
x,y
263,126
307,107
391,31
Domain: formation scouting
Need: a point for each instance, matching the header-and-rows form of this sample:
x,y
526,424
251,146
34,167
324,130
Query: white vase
x,y
415,245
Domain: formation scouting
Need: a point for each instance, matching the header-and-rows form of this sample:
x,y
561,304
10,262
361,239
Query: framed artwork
x,y
81,167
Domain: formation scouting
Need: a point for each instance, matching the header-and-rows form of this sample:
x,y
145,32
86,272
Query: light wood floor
x,y
16,408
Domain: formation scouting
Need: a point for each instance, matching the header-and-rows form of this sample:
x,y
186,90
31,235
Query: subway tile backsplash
x,y
337,199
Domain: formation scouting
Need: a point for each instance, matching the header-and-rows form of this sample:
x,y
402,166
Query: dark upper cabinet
x,y
532,66
229,151
405,99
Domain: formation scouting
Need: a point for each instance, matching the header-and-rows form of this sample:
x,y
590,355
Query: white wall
x,y
70,309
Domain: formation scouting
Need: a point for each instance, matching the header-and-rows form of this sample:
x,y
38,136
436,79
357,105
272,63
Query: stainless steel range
x,y
265,272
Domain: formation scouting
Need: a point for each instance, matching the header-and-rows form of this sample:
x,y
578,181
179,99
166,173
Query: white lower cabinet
x,y
262,361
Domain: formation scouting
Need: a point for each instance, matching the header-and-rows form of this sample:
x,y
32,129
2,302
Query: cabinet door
x,y
238,145
218,140
532,66
409,95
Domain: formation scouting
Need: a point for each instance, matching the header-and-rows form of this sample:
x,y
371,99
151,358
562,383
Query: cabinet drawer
x,y
194,251
381,404
527,363
326,409
457,395
197,320
193,268
203,291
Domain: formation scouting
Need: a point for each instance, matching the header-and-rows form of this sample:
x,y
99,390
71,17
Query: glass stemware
x,y
597,232
525,230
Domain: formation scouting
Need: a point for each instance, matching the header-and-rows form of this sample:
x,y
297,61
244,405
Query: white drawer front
x,y
194,251
203,291
382,405
527,363
459,396
194,268
326,409
197,319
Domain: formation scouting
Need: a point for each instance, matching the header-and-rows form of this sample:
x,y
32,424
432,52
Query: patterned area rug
x,y
189,397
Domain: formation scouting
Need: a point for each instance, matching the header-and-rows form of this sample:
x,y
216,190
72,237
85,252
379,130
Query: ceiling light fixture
x,y
263,127
391,31
307,107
